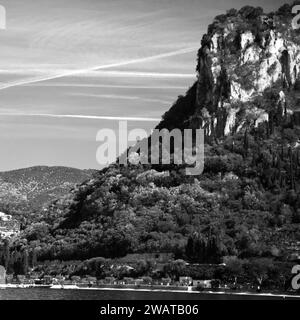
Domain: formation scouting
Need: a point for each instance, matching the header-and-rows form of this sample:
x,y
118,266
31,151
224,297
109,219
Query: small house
x,y
128,280
185,281
206,284
166,281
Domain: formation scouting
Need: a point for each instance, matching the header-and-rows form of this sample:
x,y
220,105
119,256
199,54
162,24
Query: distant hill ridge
x,y
40,184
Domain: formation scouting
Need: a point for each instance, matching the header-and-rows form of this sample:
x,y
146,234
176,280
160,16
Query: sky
x,y
70,68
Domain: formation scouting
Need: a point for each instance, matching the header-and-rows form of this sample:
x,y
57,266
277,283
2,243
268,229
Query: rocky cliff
x,y
243,54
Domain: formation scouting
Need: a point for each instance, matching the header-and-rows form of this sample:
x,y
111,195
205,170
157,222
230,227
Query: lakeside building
x,y
2,275
185,281
129,280
166,281
9,227
206,284
5,217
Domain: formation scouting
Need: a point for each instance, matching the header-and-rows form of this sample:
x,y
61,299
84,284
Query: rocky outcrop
x,y
239,58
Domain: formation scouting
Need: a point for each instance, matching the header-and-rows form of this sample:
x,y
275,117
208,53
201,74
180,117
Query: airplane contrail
x,y
95,68
101,73
143,74
80,116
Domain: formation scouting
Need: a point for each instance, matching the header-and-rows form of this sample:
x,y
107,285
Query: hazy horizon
x,y
87,58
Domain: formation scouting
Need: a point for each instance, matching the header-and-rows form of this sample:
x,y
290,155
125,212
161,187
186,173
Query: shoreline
x,y
199,292
74,287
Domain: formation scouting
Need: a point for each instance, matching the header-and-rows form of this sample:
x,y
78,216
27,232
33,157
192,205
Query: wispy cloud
x,y
121,97
108,86
80,116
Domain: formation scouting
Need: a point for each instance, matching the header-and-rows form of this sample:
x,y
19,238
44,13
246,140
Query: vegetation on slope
x,y
245,204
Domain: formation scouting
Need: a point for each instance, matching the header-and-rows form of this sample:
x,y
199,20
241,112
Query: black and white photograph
x,y
149,150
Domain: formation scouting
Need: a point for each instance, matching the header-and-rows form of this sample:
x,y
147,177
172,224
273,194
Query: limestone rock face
x,y
239,59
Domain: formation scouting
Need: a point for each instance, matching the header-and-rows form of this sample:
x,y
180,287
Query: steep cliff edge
x,y
243,54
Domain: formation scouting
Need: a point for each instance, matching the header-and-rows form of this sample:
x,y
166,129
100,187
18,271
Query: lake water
x,y
52,294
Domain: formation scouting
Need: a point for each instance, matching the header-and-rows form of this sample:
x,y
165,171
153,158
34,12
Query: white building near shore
x,y
5,217
9,227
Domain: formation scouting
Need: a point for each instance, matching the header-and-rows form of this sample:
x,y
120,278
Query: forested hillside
x,y
25,192
246,203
